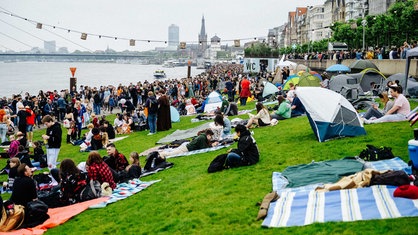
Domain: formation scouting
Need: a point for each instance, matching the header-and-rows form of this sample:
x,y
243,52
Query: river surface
x,y
21,77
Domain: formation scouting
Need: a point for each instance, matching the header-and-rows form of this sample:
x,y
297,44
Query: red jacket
x,y
30,118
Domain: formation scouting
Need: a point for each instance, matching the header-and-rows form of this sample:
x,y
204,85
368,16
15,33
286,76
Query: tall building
x,y
173,36
377,7
315,19
203,38
355,9
50,46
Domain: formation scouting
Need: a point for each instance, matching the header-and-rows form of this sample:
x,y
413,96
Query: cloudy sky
x,y
136,19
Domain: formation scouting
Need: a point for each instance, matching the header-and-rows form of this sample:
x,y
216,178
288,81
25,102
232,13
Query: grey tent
x,y
410,54
360,65
368,76
346,85
338,82
412,84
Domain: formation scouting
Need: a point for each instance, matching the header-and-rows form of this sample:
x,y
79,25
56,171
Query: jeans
x,y
3,132
96,108
233,160
243,101
152,122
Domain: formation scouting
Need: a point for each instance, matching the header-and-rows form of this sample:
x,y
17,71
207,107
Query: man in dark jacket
x,y
247,152
202,141
53,137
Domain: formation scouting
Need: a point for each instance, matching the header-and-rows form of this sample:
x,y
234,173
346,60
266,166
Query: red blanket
x,y
58,216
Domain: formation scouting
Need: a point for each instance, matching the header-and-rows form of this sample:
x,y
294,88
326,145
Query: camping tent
x,y
307,79
212,102
338,82
367,76
360,65
175,115
282,63
269,89
292,79
412,84
329,113
410,54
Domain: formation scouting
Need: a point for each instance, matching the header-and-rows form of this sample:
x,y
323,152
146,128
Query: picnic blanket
x,y
302,205
58,216
183,134
303,208
117,139
125,190
205,150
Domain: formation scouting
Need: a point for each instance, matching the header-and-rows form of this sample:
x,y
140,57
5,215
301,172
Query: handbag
x,y
92,190
66,123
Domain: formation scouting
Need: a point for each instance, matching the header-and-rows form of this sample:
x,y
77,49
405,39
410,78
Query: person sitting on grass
x,y
132,171
98,170
284,111
398,112
246,152
374,113
202,141
262,118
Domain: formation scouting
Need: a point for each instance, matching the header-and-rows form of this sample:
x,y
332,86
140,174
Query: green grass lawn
x,y
188,200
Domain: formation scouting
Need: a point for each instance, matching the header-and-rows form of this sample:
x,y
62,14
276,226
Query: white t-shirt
x,y
403,103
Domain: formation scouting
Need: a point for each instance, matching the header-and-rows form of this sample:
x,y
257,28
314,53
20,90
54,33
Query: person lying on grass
x,y
202,141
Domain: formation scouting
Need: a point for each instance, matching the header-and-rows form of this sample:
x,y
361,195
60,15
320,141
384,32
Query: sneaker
x,y
151,133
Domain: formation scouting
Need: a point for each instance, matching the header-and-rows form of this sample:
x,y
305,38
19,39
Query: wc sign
x,y
251,65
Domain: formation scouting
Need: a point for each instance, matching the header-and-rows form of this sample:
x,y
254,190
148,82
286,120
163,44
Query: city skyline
x,y
133,20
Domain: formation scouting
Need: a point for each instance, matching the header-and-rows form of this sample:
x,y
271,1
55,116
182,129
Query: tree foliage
x,y
392,28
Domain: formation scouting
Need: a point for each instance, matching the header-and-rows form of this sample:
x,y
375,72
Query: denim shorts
x,y
29,128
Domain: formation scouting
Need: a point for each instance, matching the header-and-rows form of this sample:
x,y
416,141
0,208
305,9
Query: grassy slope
x,y
188,200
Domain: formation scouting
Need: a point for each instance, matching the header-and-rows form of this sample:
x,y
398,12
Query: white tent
x,y
212,102
269,89
329,113
282,63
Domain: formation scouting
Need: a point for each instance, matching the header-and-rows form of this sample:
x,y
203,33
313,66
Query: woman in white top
x,y
398,112
262,118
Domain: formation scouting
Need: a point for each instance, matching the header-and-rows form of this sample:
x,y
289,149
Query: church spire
x,y
203,37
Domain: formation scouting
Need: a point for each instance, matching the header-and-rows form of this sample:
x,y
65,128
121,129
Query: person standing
x,y
30,122
245,91
3,125
53,138
152,105
164,114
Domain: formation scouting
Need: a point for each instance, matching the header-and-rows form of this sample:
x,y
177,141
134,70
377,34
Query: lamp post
x,y
364,23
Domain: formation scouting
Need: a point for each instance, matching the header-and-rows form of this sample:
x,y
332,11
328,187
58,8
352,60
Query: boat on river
x,y
159,74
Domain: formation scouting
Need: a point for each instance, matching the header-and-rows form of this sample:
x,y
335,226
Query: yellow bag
x,y
14,220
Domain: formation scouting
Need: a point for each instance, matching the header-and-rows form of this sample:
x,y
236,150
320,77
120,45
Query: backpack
x,y
11,218
154,161
92,190
372,153
36,213
153,106
217,164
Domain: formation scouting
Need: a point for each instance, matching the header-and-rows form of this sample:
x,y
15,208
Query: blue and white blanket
x,y
303,205
303,208
125,190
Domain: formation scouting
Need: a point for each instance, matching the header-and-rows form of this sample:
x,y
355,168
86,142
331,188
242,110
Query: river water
x,y
21,77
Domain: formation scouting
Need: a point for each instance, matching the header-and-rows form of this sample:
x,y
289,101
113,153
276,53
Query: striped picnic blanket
x,y
303,208
302,205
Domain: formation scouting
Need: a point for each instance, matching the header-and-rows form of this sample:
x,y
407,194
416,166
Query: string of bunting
x,y
132,41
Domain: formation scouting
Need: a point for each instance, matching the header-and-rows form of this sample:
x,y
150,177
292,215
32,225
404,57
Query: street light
x,y
364,23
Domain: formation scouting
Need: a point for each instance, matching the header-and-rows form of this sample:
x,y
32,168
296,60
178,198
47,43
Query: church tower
x,y
203,39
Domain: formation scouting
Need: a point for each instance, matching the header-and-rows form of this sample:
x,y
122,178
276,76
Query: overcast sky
x,y
137,19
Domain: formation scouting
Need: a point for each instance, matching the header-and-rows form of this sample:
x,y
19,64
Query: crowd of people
x,y
142,104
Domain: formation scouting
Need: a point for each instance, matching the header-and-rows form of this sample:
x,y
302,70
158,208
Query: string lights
x,y
132,42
